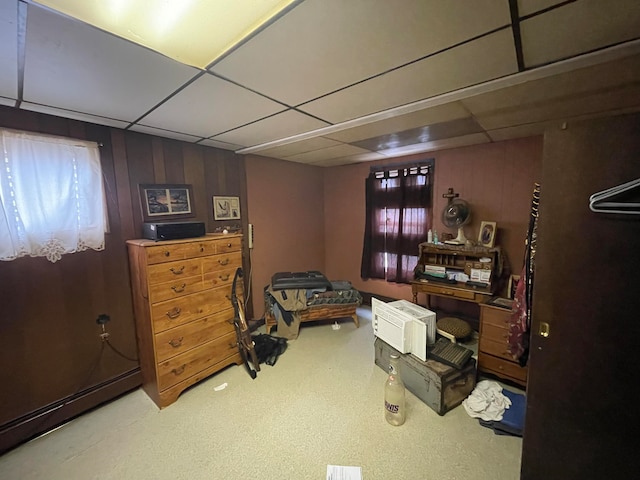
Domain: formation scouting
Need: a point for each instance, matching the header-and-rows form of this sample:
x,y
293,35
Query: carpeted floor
x,y
320,404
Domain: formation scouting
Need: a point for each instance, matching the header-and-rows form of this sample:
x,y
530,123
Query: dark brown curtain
x,y
398,216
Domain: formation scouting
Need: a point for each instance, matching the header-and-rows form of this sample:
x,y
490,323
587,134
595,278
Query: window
x,y
51,196
399,214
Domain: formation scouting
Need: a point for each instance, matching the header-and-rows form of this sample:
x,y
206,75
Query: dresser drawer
x,y
222,278
178,340
226,245
175,288
496,334
497,348
181,251
502,367
183,366
451,292
166,272
225,260
170,252
178,311
495,316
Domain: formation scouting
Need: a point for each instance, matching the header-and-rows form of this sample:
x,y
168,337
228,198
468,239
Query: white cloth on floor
x,y
487,401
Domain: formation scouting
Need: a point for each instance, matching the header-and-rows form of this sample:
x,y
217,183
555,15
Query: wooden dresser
x,y
493,355
183,311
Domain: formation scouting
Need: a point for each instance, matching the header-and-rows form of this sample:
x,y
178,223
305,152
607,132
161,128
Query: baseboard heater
x,y
36,423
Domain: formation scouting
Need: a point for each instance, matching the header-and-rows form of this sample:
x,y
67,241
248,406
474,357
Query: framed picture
x,y
487,235
163,202
226,208
512,286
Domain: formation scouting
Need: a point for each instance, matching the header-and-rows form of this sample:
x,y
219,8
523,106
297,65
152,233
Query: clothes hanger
x,y
596,203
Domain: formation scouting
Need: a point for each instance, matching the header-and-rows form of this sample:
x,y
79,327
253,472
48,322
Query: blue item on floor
x,y
512,422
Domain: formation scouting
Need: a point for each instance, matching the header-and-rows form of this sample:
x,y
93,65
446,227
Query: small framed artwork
x,y
226,208
487,234
164,202
512,286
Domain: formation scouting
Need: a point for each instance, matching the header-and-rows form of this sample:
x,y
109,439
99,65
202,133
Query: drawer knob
x,y
176,342
179,370
173,313
224,278
228,245
179,289
201,248
167,253
177,271
224,262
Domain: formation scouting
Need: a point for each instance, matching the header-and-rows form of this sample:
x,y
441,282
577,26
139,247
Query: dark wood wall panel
x,y
194,174
52,354
122,191
158,161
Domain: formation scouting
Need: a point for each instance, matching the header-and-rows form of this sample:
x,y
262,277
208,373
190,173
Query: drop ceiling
x,y
333,82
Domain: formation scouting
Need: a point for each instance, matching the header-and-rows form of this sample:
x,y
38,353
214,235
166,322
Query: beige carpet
x,y
320,404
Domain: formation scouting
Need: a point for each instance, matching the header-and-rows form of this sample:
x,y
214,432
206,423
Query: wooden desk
x,y
455,291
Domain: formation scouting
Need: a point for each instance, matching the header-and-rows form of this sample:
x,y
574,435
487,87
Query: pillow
x,y
454,326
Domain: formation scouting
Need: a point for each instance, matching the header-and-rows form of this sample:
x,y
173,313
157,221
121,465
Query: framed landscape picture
x,y
164,202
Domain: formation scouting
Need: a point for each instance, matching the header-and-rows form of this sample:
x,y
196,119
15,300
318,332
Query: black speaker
x,y
172,230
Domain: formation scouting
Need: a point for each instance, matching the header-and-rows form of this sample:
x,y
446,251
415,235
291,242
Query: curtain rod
x,y
430,162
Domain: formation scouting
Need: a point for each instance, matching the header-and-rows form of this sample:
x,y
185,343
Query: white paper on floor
x,y
338,472
221,387
335,326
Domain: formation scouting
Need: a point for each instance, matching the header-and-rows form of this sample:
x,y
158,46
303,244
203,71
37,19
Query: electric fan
x,y
456,214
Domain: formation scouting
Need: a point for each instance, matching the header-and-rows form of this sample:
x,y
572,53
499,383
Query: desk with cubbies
x,y
462,259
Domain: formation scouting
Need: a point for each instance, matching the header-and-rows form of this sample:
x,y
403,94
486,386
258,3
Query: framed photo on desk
x,y
487,234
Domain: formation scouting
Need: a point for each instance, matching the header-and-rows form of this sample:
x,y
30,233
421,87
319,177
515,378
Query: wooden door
x,y
582,412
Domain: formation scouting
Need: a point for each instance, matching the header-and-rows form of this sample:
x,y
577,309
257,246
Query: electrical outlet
x,y
250,235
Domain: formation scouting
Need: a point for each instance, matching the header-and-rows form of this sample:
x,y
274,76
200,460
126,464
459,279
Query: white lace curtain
x,y
51,196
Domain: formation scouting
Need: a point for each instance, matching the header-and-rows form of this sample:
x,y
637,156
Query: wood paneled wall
x,y
54,364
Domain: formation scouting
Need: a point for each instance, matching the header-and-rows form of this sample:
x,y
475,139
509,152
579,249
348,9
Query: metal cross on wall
x,y
450,195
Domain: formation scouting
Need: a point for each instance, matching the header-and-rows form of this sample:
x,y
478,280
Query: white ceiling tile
x,y
563,108
337,151
209,106
578,27
294,148
324,45
527,7
521,131
429,116
84,117
281,125
471,139
9,49
165,133
336,162
358,158
484,59
223,145
87,70
583,81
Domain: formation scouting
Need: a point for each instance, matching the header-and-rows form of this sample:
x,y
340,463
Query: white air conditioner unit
x,y
405,326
